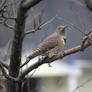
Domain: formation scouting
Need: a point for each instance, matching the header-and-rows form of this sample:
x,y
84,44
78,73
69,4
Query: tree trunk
x,y
16,50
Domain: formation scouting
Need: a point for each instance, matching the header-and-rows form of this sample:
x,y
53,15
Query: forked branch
x,y
49,60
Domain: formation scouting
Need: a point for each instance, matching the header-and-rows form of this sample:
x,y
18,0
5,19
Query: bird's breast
x,y
61,42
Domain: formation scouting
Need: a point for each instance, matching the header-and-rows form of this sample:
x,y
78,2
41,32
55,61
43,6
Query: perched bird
x,y
51,45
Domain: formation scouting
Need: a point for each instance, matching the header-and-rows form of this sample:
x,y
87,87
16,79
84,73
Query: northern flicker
x,y
51,45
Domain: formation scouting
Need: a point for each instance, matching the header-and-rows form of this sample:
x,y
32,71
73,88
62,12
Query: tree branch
x,y
16,50
49,60
89,4
6,75
40,26
4,64
27,4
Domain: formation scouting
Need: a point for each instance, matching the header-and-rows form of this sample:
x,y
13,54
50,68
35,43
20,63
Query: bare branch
x,y
4,17
29,3
84,83
89,4
77,2
40,26
7,76
4,64
87,39
49,60
49,21
3,51
35,24
16,49
66,21
3,8
5,24
6,52
10,18
42,12
13,3
4,20
37,16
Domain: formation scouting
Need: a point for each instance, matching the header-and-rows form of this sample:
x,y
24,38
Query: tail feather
x,y
35,54
31,56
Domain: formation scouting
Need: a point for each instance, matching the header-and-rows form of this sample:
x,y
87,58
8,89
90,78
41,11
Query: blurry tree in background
x,y
13,16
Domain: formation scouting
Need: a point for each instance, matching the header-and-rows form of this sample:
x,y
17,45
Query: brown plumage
x,y
51,45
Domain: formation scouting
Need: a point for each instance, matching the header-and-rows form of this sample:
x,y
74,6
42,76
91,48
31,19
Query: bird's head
x,y
61,30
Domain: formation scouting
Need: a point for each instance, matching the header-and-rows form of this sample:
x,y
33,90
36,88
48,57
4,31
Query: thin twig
x,y
80,21
40,26
4,64
63,19
3,3
13,3
13,8
10,18
3,51
78,2
42,12
5,24
87,39
7,76
84,83
4,20
3,15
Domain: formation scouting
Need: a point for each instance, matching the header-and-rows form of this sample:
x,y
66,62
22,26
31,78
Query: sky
x,y
74,11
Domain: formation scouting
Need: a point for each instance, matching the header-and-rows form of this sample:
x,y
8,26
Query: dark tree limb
x,y
15,58
27,4
6,75
89,4
85,44
49,60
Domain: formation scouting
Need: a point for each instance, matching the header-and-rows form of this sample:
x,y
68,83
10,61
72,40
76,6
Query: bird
x,y
51,45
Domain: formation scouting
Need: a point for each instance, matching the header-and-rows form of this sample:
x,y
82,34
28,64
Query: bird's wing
x,y
49,43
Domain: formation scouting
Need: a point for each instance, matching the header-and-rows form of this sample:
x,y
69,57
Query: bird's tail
x,y
36,53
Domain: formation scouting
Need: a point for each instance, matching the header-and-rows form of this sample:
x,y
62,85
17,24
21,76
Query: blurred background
x,y
66,74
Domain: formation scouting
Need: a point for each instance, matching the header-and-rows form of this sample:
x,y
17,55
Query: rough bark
x,y
16,50
52,59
